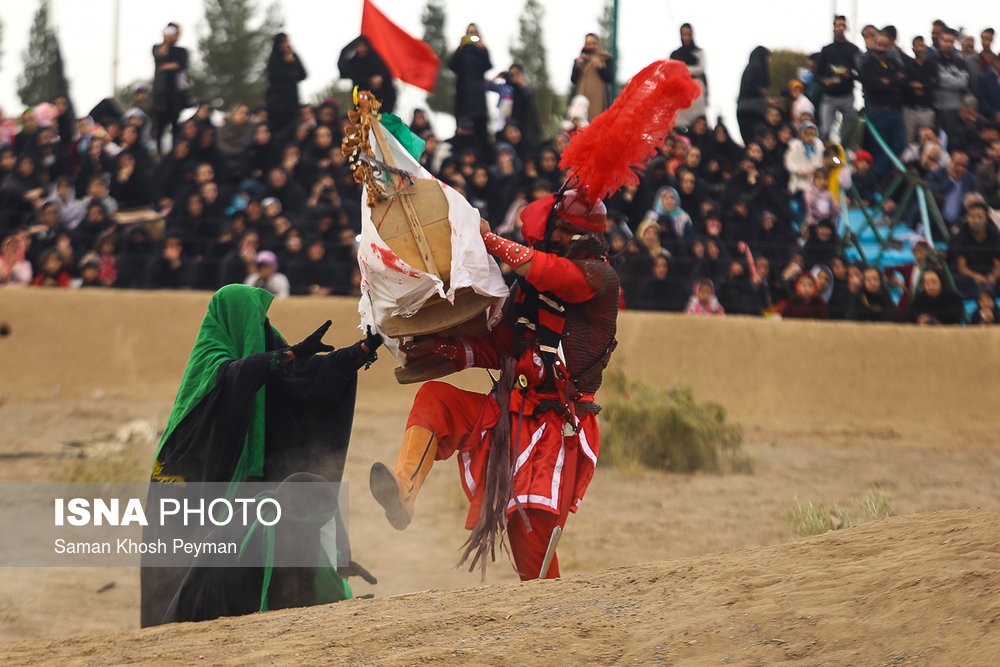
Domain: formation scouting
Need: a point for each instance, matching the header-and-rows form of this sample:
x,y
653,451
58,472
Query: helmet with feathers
x,y
607,155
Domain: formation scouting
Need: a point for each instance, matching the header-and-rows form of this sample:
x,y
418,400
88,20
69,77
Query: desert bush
x,y
665,428
810,518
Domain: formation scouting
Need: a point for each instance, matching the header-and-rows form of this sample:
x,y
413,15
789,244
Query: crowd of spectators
x,y
715,226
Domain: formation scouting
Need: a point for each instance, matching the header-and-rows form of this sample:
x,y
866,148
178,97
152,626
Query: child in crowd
x,y
819,201
703,301
806,304
52,274
986,311
14,268
864,179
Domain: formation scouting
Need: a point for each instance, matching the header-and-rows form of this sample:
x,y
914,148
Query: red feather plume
x,y
606,155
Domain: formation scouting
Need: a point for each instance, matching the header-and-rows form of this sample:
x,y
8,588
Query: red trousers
x,y
452,414
529,549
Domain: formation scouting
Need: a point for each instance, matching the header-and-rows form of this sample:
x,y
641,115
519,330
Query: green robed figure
x,y
252,408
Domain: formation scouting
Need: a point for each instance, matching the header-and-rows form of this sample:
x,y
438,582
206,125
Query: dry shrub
x,y
665,428
814,518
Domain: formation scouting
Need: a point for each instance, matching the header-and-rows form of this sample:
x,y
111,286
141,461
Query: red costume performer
x,y
527,451
552,347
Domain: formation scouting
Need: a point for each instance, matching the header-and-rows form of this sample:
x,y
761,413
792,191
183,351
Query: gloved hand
x,y
355,570
372,340
438,346
313,343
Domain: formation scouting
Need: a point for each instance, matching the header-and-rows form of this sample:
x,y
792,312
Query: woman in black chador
x,y
284,71
250,407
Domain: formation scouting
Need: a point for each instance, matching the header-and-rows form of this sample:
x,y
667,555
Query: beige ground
x,y
658,567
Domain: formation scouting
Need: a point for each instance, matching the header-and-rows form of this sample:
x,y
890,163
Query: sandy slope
x,y
829,410
919,589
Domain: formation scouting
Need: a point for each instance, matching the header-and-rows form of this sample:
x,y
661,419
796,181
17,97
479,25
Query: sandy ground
x,y
671,568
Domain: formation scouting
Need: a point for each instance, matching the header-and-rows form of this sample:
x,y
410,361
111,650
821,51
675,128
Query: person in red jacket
x,y
528,450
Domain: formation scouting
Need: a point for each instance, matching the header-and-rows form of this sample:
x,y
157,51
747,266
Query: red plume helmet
x,y
605,156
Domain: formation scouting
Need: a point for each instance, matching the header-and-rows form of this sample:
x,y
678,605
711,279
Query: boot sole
x,y
385,489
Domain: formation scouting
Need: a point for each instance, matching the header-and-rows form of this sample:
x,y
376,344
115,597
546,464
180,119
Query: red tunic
x,y
552,464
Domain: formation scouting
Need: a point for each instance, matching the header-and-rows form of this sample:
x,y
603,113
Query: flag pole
x,y
614,50
114,51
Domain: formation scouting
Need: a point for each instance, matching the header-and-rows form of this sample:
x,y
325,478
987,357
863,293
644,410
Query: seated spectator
x,y
483,194
25,192
767,288
966,135
267,276
129,185
137,250
986,308
94,162
99,191
935,303
316,274
649,237
806,303
241,261
974,252
45,230
171,269
864,179
713,261
90,269
633,266
50,270
286,190
703,301
821,246
950,185
824,281
106,251
15,270
660,291
71,209
872,303
738,295
842,300
292,250
261,155
739,223
676,228
235,136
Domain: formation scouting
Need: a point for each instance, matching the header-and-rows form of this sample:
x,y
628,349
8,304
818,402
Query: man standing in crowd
x,y
171,88
882,82
953,83
837,74
988,91
470,62
593,72
918,95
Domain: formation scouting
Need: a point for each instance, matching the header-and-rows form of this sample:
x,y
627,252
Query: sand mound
x,y
919,588
672,567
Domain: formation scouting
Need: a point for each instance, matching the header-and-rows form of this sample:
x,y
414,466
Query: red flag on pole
x,y
408,58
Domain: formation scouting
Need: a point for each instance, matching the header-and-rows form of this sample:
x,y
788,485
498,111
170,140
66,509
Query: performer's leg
x,y
440,416
529,549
